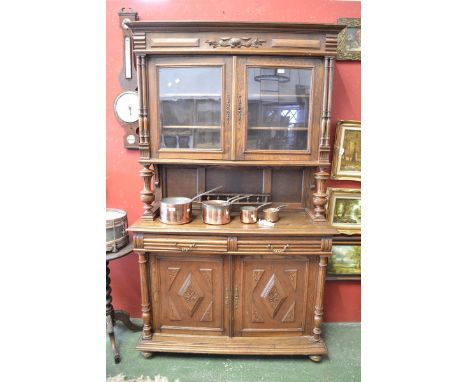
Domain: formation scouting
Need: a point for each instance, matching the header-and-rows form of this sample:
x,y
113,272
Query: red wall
x,y
342,299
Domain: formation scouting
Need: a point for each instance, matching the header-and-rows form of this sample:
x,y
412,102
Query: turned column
x,y
145,296
324,147
143,107
147,194
319,197
318,311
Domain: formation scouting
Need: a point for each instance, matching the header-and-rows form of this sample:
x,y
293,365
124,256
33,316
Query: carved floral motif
x,y
236,42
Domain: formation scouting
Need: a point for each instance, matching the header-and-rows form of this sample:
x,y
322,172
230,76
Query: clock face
x,y
126,107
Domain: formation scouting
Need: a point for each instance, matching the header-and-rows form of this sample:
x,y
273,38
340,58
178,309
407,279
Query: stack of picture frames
x,y
344,204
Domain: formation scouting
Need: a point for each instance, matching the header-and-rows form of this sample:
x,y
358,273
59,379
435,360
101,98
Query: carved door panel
x,y
189,295
271,295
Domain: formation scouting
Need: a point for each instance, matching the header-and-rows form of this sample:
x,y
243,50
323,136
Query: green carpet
x,y
342,364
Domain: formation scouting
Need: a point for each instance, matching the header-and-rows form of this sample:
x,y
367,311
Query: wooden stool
x,y
116,315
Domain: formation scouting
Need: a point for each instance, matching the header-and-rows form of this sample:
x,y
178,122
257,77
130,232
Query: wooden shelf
x,y
191,127
189,95
278,128
291,223
240,163
277,95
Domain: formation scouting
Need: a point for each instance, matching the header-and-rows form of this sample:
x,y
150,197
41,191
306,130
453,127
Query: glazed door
x,y
189,294
278,108
189,103
271,295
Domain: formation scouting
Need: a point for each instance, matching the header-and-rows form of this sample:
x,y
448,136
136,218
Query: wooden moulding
x,y
201,26
166,42
249,38
297,345
230,163
295,43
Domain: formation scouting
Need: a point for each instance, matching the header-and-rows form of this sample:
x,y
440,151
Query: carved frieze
x,y
236,42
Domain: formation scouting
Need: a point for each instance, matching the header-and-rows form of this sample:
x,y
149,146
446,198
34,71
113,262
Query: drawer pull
x,y
185,248
278,251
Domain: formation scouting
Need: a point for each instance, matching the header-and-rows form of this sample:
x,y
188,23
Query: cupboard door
x,y
189,100
189,295
270,295
278,108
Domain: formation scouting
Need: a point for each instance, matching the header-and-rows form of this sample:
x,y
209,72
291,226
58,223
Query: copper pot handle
x,y
278,251
185,247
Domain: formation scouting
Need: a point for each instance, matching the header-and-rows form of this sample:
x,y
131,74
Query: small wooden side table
x,y
116,315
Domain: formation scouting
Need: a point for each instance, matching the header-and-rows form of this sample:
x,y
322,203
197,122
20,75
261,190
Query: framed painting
x,y
347,155
349,40
344,210
345,261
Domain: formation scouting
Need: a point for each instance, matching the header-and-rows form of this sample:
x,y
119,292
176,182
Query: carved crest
x,y
236,42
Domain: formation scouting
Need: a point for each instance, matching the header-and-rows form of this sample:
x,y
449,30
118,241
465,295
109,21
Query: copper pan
x,y
219,211
272,214
249,214
178,209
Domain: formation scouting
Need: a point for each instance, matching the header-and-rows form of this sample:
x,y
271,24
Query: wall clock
x,y
126,110
126,107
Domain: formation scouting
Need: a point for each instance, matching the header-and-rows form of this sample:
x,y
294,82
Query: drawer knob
x,y
185,247
278,251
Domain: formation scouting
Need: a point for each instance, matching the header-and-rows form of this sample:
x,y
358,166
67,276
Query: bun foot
x,y
315,358
146,354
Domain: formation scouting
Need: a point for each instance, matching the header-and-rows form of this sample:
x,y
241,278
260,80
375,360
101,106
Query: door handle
x,y
239,108
226,297
236,297
228,108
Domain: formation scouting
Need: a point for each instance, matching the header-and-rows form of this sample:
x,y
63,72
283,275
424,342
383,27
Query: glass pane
x,y
190,107
278,108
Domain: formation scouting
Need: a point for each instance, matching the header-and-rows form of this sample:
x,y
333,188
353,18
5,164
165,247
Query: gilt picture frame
x,y
344,210
345,261
347,152
349,40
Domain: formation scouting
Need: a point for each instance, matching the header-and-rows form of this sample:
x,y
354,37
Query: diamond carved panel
x,y
273,295
191,294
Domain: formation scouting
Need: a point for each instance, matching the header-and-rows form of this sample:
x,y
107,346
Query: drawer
x,y
185,244
279,246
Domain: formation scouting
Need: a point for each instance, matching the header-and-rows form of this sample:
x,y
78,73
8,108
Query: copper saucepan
x,y
272,214
249,214
177,209
219,211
